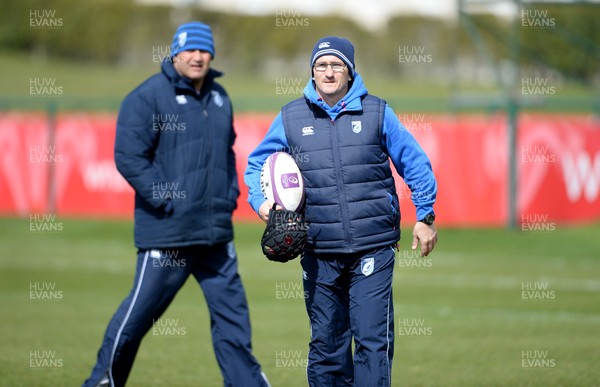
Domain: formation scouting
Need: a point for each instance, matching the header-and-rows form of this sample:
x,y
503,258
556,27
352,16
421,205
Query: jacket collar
x,y
183,83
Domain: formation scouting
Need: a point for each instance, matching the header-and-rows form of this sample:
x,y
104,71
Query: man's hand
x,y
263,210
426,235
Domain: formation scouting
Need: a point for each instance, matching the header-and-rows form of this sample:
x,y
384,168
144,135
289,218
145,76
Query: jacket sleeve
x,y
411,162
274,141
135,144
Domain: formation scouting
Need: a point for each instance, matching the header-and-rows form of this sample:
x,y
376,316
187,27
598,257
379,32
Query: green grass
x,y
468,296
96,86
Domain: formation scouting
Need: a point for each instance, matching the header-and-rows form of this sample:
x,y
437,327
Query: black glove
x,y
285,235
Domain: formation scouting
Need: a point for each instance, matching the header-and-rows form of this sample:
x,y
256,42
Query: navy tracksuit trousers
x,y
349,296
159,276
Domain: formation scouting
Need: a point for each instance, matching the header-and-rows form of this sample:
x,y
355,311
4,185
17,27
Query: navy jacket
x,y
175,148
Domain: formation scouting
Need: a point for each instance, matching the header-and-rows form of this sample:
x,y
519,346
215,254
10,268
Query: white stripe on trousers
x,y
387,333
135,295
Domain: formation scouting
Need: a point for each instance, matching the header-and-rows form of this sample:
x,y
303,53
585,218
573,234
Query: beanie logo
x,y
217,98
181,39
324,45
356,126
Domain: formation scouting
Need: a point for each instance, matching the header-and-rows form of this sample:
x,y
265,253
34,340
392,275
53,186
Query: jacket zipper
x,y
340,185
210,163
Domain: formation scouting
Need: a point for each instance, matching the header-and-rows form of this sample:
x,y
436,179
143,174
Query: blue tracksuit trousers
x,y
349,297
159,276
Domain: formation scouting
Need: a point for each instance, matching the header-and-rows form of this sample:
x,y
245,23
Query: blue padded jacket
x,y
348,175
175,148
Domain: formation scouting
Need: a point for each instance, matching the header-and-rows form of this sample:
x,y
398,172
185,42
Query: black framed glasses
x,y
336,67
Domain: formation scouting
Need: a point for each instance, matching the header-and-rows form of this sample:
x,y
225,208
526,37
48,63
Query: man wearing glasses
x,y
343,139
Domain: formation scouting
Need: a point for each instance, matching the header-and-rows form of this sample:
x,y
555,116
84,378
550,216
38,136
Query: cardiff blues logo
x,y
356,126
181,39
217,98
367,265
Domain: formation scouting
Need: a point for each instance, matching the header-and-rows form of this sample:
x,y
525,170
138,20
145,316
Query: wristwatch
x,y
428,219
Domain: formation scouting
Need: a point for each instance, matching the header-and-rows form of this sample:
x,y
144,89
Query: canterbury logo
x,y
308,131
324,45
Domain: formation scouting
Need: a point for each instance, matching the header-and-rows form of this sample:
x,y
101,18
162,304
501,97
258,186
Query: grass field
x,y
96,86
462,318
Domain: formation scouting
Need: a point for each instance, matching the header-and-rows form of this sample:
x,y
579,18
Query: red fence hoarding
x,y
558,158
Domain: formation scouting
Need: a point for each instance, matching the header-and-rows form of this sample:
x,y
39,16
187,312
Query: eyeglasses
x,y
336,67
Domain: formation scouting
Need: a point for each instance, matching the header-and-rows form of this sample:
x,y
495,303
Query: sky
x,y
371,14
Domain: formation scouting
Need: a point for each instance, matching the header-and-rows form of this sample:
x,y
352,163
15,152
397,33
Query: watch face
x,y
428,219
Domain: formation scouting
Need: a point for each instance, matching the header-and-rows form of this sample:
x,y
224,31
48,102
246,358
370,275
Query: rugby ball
x,y
281,181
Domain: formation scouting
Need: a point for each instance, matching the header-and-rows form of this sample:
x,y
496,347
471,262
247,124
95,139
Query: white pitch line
x,y
465,281
496,313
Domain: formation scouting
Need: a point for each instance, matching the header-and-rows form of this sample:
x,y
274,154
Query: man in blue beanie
x,y
342,139
174,145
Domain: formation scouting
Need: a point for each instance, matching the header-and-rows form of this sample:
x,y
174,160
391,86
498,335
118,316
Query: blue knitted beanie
x,y
193,36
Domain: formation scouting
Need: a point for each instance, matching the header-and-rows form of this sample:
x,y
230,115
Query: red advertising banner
x,y
559,159
70,170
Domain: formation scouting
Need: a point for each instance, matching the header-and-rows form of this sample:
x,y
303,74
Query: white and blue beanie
x,y
332,45
193,36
